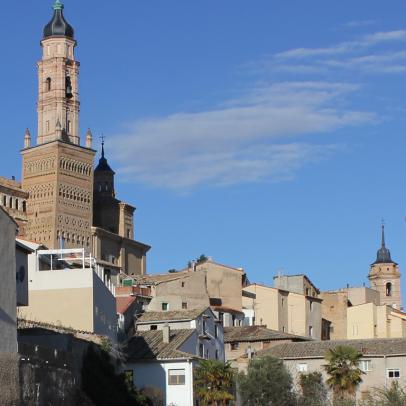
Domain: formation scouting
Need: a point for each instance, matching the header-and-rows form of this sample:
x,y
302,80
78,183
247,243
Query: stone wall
x,y
9,382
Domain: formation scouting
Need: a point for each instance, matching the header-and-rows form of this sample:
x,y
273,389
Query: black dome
x,y
103,166
383,255
58,26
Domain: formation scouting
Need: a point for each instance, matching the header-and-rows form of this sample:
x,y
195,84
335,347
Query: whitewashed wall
x,y
155,375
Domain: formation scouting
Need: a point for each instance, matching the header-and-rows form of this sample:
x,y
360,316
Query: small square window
x,y
365,365
393,373
234,346
176,377
302,367
184,305
153,327
165,306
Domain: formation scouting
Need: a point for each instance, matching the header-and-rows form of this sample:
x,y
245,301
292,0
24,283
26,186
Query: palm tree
x,y
344,373
213,382
395,395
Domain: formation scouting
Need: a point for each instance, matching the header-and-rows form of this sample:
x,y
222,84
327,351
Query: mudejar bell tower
x,y
58,172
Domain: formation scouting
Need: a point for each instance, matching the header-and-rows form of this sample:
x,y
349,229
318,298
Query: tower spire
x,y
102,143
383,234
58,5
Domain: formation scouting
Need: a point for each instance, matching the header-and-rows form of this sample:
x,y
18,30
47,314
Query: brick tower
x,y
58,172
384,276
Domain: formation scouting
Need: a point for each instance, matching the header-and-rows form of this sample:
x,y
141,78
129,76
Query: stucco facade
x,y
8,296
383,361
336,304
209,343
284,311
371,321
75,297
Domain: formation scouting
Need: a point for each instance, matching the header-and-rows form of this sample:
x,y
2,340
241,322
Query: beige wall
x,y
295,283
334,309
363,295
371,321
336,303
66,307
130,255
189,288
223,282
372,379
285,311
267,310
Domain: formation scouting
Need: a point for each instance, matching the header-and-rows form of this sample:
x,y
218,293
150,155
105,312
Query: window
x,y
310,331
393,373
302,367
307,292
388,289
216,331
201,350
153,327
48,84
204,326
176,377
184,305
183,284
365,365
165,306
283,302
311,306
221,317
217,354
234,346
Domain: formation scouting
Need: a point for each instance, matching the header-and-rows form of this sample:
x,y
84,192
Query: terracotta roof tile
x,y
317,349
149,345
171,315
257,333
123,303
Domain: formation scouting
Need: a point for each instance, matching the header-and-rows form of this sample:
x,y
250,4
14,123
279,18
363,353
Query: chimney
x,y
166,332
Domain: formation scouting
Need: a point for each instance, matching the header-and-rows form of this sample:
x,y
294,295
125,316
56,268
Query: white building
x,y
210,331
161,364
67,288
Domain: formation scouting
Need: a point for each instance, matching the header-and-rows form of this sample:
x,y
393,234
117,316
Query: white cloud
x,y
343,48
359,23
251,139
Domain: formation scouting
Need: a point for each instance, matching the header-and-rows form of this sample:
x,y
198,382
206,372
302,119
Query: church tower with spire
x,y
384,276
57,172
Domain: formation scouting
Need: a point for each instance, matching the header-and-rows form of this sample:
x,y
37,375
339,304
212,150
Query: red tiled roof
x,y
123,303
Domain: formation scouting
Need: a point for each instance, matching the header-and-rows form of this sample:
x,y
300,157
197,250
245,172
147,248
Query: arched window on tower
x,y
48,84
388,289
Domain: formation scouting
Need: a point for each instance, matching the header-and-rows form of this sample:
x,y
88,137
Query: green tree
x,y
395,395
343,370
201,259
214,382
314,392
101,383
267,382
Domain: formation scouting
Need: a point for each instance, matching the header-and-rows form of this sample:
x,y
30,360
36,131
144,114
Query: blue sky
x,y
268,135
